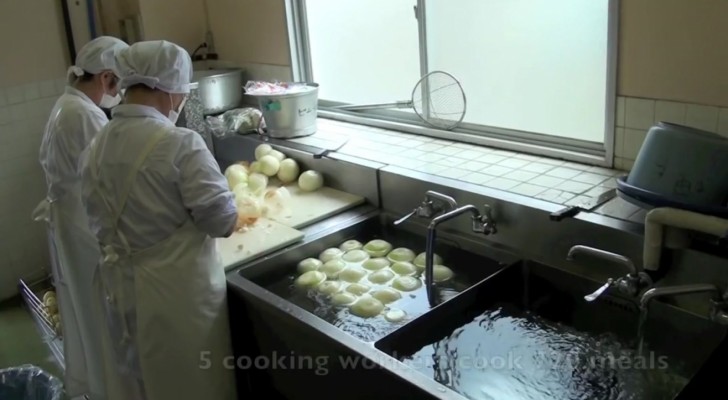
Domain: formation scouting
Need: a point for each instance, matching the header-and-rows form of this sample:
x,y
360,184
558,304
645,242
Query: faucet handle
x,y
406,217
597,293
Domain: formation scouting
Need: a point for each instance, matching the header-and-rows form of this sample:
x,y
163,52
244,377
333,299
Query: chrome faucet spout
x,y
481,224
605,255
669,291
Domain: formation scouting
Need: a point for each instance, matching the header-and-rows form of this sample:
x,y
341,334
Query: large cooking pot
x,y
219,89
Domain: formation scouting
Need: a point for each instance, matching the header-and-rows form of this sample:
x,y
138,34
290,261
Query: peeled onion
x,y
257,182
395,315
421,260
351,245
357,288
441,273
375,264
48,294
382,276
310,181
352,274
288,170
310,279
355,256
332,268
309,264
367,307
378,247
387,295
329,287
255,167
241,189
269,165
404,268
406,283
343,299
277,155
262,150
401,254
236,174
249,208
330,254
276,202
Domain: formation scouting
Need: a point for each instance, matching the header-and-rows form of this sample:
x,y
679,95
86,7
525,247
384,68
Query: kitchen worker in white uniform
x,y
156,199
75,119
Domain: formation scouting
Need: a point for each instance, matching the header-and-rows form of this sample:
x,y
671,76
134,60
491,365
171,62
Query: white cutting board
x,y
310,207
263,238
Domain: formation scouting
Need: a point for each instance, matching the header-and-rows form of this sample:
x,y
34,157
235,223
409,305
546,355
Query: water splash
x,y
641,331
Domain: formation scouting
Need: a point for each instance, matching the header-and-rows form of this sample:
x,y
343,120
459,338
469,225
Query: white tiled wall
x,y
635,116
23,246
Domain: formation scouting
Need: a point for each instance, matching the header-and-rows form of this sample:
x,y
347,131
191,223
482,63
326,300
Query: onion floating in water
x,y
421,260
381,277
375,264
332,268
395,315
329,287
378,248
330,254
406,283
401,254
352,275
404,268
355,256
441,273
310,279
387,295
343,299
350,245
357,289
309,264
367,307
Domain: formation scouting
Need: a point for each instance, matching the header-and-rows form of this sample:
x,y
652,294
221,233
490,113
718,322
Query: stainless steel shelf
x,y
32,294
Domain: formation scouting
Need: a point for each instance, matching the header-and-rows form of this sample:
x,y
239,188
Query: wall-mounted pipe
x,y
658,219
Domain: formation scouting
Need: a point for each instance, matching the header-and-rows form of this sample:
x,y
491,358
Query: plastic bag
x,y
237,121
28,382
266,88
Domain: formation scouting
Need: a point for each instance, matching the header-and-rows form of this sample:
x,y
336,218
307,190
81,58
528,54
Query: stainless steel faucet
x,y
719,303
433,204
631,284
482,223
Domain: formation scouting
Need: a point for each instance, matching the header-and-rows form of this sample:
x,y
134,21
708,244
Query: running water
x,y
641,330
506,353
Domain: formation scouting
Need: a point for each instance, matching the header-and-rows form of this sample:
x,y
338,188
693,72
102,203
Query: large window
x,y
538,74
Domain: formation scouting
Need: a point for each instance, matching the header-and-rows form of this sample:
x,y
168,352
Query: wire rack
x,y
32,294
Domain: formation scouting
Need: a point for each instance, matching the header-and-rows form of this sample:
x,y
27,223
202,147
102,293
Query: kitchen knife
x,y
588,205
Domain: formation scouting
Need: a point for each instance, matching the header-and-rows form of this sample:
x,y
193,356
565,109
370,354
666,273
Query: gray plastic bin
x,y
28,382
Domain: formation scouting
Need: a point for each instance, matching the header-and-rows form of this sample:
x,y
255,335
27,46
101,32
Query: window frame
x,y
601,154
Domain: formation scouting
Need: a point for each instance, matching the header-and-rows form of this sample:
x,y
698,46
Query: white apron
x,y
166,309
74,256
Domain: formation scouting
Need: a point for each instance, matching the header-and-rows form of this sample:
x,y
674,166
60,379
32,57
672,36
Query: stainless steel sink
x,y
527,331
290,349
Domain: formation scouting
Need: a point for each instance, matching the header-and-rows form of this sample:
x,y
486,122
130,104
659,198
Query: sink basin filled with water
x,y
527,333
361,298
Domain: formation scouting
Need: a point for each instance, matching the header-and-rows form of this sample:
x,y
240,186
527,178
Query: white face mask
x,y
109,101
174,114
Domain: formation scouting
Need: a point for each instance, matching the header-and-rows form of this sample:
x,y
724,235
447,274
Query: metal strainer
x,y
437,98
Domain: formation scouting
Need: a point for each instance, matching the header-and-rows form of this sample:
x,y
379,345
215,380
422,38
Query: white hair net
x,y
157,64
94,56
